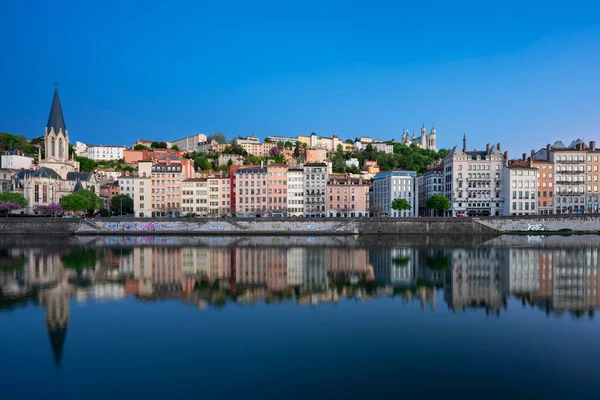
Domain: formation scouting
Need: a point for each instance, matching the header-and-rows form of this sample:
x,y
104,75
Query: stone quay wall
x,y
291,227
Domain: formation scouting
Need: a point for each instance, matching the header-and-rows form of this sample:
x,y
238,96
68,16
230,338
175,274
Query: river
x,y
299,317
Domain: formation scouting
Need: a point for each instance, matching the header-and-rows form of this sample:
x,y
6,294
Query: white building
x,y
315,189
80,149
194,196
472,181
391,185
16,160
353,162
127,185
385,148
295,192
277,139
519,185
105,153
142,185
433,183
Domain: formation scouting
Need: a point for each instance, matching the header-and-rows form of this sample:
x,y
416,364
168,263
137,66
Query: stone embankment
x,y
290,227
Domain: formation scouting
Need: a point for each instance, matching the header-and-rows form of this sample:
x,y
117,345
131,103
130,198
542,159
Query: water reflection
x,y
222,272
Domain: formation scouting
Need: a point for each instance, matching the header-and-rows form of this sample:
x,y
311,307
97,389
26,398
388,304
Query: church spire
x,y
56,119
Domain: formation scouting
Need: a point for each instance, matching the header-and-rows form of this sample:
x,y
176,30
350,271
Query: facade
x,y
251,191
472,180
5,179
421,192
569,177
295,193
143,194
426,140
384,148
277,139
592,177
16,160
166,189
315,189
520,188
105,153
132,157
194,196
316,156
433,183
545,185
127,185
219,201
347,196
189,143
108,191
391,185
80,149
353,162
277,190
230,159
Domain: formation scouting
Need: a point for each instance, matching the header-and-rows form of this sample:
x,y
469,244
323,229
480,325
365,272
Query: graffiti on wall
x,y
136,226
214,228
536,227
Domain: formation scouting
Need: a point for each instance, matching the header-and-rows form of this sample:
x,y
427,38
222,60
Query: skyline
x,y
163,74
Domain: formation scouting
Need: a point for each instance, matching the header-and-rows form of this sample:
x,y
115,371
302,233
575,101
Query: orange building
x,y
315,156
133,156
166,187
545,185
277,190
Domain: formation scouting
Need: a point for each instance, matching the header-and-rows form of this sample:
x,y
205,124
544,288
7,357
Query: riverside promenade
x,y
541,224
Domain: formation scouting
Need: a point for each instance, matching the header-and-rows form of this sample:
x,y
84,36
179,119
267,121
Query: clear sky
x,y
517,72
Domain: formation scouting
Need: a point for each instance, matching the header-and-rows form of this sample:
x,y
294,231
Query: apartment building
x,y
127,184
545,185
295,193
391,185
282,139
385,148
16,160
315,189
166,189
277,190
433,183
189,143
592,176
251,191
472,180
520,187
143,190
194,196
219,196
105,153
347,196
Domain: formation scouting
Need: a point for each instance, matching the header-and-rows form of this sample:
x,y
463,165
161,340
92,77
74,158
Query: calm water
x,y
510,317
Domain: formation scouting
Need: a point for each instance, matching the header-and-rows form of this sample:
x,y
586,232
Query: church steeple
x,y
56,119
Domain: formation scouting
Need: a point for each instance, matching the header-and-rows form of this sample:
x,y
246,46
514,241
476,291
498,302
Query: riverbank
x,y
550,224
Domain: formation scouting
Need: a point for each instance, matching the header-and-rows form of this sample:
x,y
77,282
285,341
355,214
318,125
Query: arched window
x,y
53,147
61,148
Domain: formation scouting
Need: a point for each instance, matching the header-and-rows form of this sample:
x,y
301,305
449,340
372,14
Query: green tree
x,y
438,202
288,145
81,258
75,202
174,147
349,141
15,198
218,137
155,145
139,147
400,204
122,203
94,200
202,163
86,164
267,140
296,151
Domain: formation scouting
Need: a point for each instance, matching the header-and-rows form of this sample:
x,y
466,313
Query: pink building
x,y
277,190
347,197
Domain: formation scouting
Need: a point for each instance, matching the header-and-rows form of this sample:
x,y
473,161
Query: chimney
x,y
532,152
465,143
498,146
506,155
524,156
592,145
487,148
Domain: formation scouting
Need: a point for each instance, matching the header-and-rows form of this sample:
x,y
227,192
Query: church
x,y
425,141
56,174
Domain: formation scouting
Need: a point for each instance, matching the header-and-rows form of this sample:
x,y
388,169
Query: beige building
x,y
189,143
472,180
234,159
315,189
194,196
142,188
219,195
520,187
166,188
316,156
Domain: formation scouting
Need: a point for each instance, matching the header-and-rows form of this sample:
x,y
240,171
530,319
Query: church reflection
x,y
553,280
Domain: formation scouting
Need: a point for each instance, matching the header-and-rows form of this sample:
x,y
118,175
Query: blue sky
x,y
506,72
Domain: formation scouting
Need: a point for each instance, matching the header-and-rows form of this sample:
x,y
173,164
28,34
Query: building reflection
x,y
554,280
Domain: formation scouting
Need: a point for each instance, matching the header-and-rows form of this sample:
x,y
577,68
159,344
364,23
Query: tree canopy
x,y
218,137
75,202
437,202
15,198
400,204
202,163
174,147
275,151
86,164
121,202
139,147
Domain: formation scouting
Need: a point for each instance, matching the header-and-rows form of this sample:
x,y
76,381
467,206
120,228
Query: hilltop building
x,y
425,141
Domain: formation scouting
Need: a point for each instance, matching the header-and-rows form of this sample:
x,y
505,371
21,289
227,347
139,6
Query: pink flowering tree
x,y
275,151
8,206
50,209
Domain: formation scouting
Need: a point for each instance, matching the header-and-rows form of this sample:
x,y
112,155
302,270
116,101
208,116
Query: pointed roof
x,y
56,119
78,186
